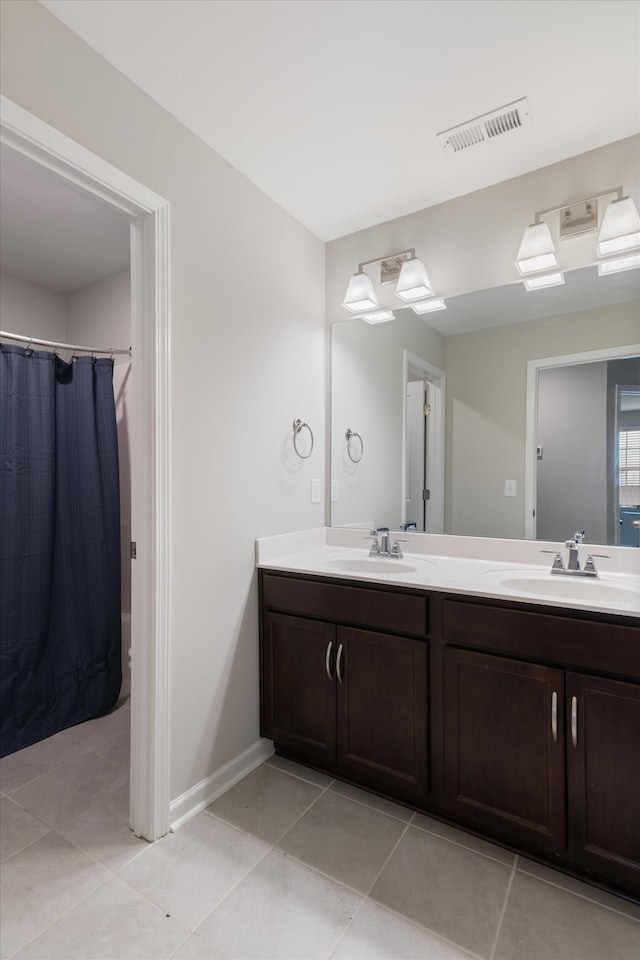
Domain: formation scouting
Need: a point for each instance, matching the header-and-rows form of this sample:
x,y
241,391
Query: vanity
x,y
450,681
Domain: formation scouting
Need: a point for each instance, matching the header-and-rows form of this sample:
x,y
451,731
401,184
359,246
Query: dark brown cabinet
x,y
352,701
299,693
603,767
382,711
504,746
517,721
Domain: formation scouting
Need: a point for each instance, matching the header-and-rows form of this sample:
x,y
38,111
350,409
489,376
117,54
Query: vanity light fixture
x,y
403,269
537,251
619,233
379,316
413,282
360,294
620,230
429,306
546,280
617,264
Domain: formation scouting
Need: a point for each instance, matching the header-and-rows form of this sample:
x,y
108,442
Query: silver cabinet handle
x,y
327,659
554,716
574,721
339,663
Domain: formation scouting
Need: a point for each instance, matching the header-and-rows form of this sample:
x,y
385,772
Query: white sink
x,y
373,565
569,588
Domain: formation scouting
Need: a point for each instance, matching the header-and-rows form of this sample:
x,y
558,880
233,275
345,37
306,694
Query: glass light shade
x,y
360,294
620,228
429,306
536,250
413,282
620,263
548,280
380,316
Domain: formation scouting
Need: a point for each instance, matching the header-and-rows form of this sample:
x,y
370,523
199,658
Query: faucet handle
x,y
395,550
558,562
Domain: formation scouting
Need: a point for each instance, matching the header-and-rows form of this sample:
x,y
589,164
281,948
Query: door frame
x,y
434,449
148,216
531,418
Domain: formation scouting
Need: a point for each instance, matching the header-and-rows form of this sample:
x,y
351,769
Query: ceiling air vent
x,y
506,119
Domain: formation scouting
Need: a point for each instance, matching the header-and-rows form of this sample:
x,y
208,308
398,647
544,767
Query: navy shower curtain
x,y
59,544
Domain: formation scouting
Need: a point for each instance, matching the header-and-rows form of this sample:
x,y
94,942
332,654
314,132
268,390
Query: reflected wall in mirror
x,y
587,449
482,344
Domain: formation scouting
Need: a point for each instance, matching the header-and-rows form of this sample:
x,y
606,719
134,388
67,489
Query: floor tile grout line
x,y
346,929
370,806
425,929
459,843
62,916
581,896
345,797
503,911
298,776
395,847
403,916
86,809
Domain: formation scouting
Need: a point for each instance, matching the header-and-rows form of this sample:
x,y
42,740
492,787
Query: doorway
x,y
423,446
148,217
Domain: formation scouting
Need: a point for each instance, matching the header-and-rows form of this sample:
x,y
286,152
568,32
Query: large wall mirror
x,y
510,414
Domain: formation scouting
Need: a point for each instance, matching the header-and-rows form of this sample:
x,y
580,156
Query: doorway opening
x,y
422,506
147,214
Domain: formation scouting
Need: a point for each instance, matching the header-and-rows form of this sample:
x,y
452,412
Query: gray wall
x,y
486,409
247,357
572,474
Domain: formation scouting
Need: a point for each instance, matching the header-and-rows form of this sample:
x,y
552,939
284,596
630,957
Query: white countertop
x,y
501,569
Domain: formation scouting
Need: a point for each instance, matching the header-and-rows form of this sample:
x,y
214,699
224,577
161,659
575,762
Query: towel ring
x,y
298,425
349,435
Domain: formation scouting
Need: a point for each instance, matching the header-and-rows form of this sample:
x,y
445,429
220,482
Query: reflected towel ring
x,y
349,435
298,425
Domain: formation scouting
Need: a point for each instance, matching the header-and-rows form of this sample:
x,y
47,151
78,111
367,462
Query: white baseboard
x,y
196,798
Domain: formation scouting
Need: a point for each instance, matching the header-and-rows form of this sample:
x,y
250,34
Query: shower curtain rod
x,y
61,346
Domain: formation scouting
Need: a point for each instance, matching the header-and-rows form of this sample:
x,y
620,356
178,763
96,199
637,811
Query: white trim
x,y
194,800
531,425
435,442
148,214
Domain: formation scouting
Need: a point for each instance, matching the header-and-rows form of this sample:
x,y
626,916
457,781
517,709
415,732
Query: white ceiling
x,y
53,235
332,106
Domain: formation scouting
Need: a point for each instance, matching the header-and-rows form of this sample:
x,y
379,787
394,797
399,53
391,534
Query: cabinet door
x,y
382,711
504,747
299,692
603,764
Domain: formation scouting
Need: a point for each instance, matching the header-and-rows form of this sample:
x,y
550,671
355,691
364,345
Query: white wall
x,y
32,311
99,315
247,357
470,243
369,397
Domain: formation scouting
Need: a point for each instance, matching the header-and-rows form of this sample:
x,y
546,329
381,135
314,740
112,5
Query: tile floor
x,y
287,864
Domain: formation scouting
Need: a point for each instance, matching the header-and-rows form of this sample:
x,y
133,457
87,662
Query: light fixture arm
x,y
618,191
389,256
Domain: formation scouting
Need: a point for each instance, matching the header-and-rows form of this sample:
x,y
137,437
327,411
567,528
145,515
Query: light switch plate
x,y
334,491
510,488
315,491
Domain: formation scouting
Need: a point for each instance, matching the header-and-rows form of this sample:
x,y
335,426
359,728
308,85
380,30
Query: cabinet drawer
x,y
609,647
375,609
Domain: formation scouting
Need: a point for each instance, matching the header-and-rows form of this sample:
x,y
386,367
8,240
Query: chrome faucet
x,y
573,568
572,544
386,547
